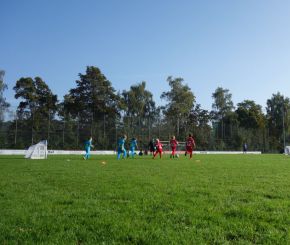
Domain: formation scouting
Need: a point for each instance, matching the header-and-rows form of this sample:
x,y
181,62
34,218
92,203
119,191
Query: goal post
x,y
37,151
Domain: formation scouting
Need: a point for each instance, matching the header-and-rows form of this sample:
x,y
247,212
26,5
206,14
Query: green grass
x,y
220,199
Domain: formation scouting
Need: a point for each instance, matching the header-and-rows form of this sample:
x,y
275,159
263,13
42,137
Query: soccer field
x,y
209,199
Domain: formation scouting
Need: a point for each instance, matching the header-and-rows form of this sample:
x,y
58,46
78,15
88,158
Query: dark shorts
x,y
189,149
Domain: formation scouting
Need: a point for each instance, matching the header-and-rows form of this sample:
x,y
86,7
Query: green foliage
x,y
35,111
139,111
199,124
94,108
222,102
139,101
180,103
93,96
250,115
220,199
94,105
276,107
37,98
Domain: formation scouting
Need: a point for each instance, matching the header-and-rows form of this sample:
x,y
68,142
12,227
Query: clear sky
x,y
241,45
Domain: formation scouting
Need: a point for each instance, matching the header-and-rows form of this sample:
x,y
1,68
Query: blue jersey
x,y
133,143
88,144
121,143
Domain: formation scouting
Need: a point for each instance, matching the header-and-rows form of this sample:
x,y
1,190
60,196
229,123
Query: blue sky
x,y
241,45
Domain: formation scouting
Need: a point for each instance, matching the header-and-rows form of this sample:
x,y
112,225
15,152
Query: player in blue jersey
x,y
88,146
133,146
121,147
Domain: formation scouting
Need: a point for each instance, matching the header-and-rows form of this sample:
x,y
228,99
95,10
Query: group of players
x,y
155,147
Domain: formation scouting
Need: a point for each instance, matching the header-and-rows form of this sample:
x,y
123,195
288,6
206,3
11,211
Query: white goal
x,y
38,151
287,150
167,148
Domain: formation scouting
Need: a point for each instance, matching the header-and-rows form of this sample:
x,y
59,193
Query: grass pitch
x,y
213,199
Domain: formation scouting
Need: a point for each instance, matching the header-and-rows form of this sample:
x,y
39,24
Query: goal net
x,y
167,148
287,150
38,151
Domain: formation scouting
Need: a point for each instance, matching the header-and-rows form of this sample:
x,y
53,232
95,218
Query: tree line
x,y
94,108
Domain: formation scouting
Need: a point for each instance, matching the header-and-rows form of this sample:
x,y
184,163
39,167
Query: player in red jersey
x,y
158,146
173,144
190,145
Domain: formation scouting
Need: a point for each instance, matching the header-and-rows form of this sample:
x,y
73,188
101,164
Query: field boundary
x,y
66,152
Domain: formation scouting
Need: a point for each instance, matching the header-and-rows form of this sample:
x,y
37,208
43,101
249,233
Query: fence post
x,y
78,129
16,129
63,129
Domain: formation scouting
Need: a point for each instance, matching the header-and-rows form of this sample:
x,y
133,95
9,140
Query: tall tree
x,y
180,103
140,110
93,103
278,119
250,115
37,98
37,107
222,101
252,125
3,104
139,101
222,108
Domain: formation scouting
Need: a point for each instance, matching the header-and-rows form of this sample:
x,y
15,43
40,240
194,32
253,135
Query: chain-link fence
x,y
67,133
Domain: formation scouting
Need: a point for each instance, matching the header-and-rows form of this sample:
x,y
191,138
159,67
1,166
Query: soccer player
x,y
151,146
141,153
121,147
173,144
133,146
88,145
245,148
190,145
158,146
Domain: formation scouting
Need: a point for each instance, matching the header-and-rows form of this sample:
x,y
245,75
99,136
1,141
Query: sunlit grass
x,y
209,199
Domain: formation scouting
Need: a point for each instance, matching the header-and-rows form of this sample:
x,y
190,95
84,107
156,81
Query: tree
x,y
278,119
94,105
3,104
180,102
222,101
222,107
199,121
37,108
250,115
140,110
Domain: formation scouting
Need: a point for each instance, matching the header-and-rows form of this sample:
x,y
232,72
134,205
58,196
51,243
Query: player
x,y
158,147
121,147
245,148
140,153
173,144
151,146
133,146
88,146
190,145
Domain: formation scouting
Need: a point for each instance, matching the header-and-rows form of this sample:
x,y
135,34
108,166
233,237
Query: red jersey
x,y
190,142
173,143
158,146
